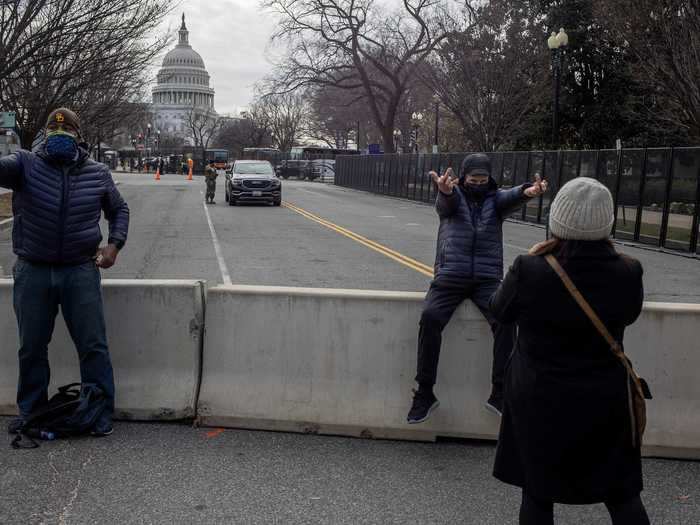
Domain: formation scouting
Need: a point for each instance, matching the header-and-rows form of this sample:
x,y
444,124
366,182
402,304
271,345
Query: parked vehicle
x,y
253,181
323,170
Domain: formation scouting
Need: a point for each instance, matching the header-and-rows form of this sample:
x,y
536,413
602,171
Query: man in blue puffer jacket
x,y
468,265
59,195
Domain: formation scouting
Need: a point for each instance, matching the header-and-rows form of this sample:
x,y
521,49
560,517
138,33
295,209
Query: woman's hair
x,y
563,249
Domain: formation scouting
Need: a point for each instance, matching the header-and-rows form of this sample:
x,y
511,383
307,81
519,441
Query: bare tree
x,y
203,125
358,46
663,39
237,134
284,115
96,63
490,76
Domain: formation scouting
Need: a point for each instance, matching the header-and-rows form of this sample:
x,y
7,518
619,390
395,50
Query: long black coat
x,y
565,433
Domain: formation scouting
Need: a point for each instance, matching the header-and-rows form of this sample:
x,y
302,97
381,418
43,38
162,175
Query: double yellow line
x,y
379,248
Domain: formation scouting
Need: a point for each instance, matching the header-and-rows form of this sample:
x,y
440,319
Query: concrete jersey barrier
x,y
154,330
343,362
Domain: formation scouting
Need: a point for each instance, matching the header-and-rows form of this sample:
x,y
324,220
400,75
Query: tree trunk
x,y
388,139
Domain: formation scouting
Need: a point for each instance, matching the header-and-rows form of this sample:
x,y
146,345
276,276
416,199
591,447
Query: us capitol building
x,y
183,86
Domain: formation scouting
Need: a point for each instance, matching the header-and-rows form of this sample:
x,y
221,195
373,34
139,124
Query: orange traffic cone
x,y
189,175
158,173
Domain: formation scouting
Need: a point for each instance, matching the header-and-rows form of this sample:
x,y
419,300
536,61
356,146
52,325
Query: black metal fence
x,y
656,190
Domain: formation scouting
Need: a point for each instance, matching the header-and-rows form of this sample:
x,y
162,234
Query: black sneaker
x,y
14,425
423,405
495,404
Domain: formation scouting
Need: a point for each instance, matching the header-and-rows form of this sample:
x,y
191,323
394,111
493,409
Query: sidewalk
x,y
170,473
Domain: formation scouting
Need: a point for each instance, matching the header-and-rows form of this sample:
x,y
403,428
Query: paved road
x,y
170,238
173,474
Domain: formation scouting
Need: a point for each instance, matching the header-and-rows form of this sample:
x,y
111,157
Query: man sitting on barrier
x,y
468,265
59,195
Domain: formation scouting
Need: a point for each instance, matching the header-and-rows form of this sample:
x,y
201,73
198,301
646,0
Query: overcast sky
x,y
232,36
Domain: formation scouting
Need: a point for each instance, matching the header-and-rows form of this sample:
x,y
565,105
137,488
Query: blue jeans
x,y
39,289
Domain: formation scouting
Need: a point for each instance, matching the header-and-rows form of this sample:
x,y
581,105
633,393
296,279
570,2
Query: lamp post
x,y
417,119
557,43
397,139
158,141
148,140
436,100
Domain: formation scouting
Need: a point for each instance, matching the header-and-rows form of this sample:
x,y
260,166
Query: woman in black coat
x,y
566,434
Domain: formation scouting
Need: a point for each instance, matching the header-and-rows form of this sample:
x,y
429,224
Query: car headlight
x,y
276,183
236,181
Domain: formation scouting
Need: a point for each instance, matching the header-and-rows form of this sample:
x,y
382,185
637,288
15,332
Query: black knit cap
x,y
63,117
476,164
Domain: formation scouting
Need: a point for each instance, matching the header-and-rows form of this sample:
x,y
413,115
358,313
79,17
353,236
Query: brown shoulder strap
x,y
614,345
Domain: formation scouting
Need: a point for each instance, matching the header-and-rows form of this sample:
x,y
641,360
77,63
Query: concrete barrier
x,y
664,345
338,362
342,362
155,331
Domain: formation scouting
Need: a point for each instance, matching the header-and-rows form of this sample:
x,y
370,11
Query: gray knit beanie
x,y
582,210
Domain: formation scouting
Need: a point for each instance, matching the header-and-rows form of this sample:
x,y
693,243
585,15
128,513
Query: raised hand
x,y
445,183
538,187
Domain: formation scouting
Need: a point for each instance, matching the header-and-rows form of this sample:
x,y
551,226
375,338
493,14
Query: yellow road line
x,y
372,245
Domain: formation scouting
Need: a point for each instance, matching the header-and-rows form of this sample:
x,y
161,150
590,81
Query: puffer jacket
x,y
470,237
57,208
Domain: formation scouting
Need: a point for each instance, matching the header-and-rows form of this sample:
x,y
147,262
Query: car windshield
x,y
262,168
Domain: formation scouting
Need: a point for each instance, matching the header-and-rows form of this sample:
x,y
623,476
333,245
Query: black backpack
x,y
73,411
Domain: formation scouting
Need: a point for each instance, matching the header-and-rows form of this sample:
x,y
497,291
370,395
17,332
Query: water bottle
x,y
41,434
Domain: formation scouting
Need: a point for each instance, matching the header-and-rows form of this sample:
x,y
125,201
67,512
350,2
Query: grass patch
x,y
653,230
5,206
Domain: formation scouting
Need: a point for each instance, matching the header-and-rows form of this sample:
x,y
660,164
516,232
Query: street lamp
x,y
417,119
436,100
397,139
148,140
557,43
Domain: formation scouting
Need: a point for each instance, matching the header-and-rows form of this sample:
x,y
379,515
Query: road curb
x,y
6,224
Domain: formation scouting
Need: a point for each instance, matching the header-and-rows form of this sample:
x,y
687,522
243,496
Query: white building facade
x,y
182,87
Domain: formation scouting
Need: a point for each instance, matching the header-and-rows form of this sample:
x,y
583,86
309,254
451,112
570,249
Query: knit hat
x,y
475,164
62,117
582,210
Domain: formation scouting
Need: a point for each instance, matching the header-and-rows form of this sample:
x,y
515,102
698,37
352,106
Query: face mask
x,y
61,146
478,190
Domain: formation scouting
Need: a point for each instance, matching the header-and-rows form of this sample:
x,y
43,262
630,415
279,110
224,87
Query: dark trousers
x,y
443,298
38,292
211,189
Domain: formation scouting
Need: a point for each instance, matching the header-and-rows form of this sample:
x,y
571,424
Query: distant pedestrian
x,y
468,265
60,196
210,175
566,433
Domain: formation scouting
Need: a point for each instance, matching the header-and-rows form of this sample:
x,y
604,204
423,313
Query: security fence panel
x,y
588,163
656,173
656,191
628,190
683,199
536,169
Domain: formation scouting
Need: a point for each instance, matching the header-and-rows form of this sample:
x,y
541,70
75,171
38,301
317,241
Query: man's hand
x,y
106,256
538,187
445,183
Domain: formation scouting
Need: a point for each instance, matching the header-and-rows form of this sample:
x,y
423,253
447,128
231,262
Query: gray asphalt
x,y
170,239
175,474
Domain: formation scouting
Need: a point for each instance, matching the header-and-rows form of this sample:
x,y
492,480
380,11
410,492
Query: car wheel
x,y
277,202
226,195
232,201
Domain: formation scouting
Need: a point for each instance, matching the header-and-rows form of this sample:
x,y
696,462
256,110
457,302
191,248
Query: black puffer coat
x,y
470,238
57,208
565,433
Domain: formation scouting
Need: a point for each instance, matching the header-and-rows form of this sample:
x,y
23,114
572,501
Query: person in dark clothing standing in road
x,y
566,434
468,265
210,175
59,195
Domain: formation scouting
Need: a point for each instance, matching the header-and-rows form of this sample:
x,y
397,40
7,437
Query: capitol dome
x,y
182,86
